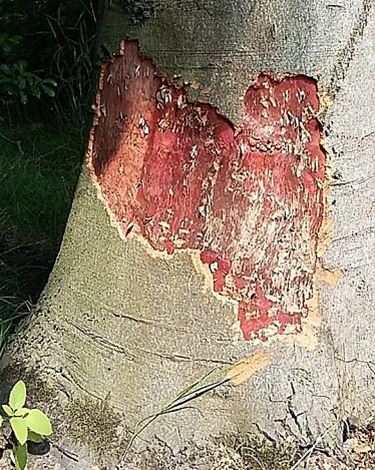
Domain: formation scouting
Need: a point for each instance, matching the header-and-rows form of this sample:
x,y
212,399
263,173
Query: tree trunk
x,y
228,138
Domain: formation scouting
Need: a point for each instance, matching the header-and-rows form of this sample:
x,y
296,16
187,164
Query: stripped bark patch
x,y
248,199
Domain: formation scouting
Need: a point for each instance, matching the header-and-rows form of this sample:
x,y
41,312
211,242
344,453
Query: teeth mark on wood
x,y
249,200
300,95
143,126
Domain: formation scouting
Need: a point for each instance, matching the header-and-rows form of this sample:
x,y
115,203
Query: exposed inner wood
x,y
249,199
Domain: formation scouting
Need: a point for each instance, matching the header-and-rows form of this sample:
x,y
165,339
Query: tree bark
x,y
130,321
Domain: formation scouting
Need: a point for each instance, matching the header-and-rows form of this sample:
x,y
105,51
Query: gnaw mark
x,y
250,199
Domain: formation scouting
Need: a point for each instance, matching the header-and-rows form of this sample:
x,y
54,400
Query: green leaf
x,y
22,65
17,395
23,97
50,81
19,427
8,410
21,412
39,422
22,82
34,437
48,90
20,457
35,91
1,421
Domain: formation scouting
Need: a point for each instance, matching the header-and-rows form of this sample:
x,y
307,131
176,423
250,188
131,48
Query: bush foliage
x,y
47,71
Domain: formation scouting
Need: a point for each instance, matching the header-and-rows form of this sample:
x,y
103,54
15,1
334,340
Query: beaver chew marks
x,y
249,199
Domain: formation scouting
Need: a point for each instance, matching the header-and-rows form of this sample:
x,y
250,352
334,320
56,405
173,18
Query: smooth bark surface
x,y
122,324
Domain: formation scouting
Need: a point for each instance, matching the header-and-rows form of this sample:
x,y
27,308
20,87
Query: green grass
x,y
37,183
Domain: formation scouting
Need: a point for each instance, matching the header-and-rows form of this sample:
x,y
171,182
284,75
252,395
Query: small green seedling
x,y
27,425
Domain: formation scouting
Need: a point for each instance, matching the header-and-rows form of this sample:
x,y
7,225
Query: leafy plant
x,y
17,83
27,424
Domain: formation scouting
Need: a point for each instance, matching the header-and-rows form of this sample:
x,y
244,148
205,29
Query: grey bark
x,y
108,325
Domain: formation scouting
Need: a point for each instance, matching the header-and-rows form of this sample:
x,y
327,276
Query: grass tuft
x,y
37,182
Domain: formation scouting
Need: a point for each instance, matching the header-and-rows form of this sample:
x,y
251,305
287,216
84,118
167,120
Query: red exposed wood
x,y
249,199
